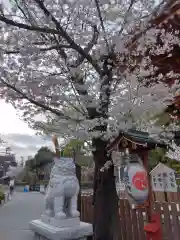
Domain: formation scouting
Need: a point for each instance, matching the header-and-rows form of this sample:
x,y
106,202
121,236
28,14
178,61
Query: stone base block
x,y
67,222
45,231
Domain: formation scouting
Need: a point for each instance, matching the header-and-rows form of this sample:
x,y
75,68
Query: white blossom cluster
x,y
174,152
52,65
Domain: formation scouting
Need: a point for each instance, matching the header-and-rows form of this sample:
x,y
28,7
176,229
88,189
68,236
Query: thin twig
x,y
126,16
102,23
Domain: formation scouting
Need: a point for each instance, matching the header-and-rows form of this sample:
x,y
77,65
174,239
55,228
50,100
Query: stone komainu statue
x,y
62,191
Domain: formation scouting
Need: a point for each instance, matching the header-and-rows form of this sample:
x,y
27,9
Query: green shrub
x,y
86,185
2,196
45,182
19,183
178,182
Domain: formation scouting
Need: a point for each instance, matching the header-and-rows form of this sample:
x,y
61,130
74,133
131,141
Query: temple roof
x,y
139,138
142,137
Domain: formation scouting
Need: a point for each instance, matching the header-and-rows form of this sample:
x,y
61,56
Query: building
x,y
6,160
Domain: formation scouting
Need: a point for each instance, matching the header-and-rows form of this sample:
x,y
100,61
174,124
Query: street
x,y
16,214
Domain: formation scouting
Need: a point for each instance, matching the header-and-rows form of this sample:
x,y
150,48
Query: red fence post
x,y
153,229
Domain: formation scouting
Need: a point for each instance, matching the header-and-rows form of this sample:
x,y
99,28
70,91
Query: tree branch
x,y
38,104
126,16
89,46
20,8
84,54
40,49
59,32
76,80
28,27
29,19
102,23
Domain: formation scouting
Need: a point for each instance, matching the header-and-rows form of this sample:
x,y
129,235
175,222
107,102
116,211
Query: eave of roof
x,y
142,137
136,136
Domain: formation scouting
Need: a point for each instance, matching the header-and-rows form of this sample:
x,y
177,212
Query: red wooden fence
x,y
132,220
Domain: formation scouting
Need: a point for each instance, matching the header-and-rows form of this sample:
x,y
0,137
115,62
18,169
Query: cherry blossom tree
x,y
83,69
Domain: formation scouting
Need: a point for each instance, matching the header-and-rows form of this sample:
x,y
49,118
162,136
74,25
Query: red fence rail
x,y
157,196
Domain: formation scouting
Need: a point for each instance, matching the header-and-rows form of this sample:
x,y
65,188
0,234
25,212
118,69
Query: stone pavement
x,y
16,214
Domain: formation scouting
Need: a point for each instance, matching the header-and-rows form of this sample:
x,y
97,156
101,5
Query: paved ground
x,y
16,214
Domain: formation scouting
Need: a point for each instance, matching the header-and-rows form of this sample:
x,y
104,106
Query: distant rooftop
x,y
7,158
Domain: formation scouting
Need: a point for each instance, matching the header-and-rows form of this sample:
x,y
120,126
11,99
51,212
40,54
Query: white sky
x,y
9,121
17,134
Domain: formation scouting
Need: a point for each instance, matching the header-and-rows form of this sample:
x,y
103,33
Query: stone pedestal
x,y
67,222
45,231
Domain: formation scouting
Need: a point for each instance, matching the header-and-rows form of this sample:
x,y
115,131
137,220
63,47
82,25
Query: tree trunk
x,y
106,222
